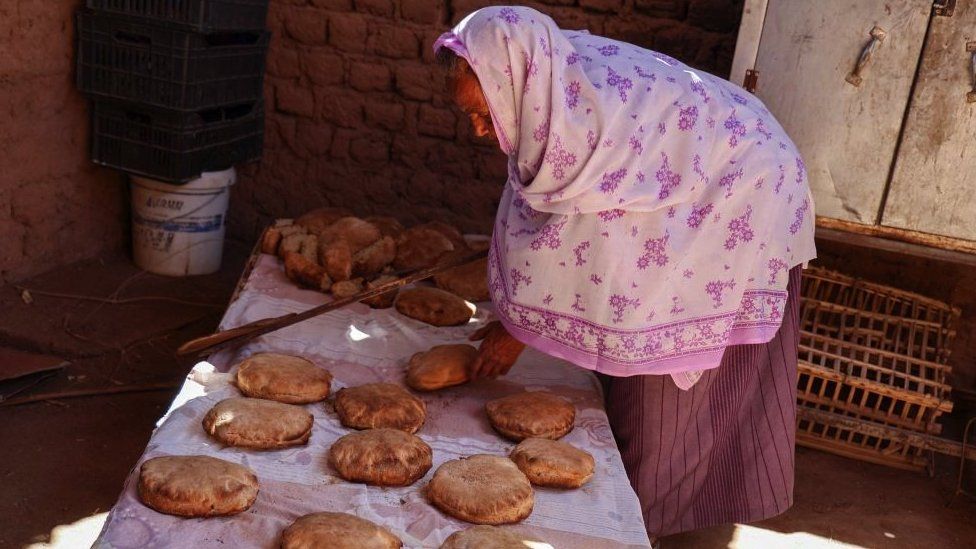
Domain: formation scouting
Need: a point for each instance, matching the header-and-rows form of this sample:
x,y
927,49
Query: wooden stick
x,y
894,434
235,336
90,392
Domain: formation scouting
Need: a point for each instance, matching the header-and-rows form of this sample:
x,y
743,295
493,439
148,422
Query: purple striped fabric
x,y
722,451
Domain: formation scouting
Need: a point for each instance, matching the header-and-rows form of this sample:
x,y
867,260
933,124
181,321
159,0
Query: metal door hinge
x,y
750,81
944,7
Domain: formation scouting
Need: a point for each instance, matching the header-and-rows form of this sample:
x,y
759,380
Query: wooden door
x,y
847,133
933,189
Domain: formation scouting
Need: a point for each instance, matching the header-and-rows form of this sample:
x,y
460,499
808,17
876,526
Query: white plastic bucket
x,y
178,230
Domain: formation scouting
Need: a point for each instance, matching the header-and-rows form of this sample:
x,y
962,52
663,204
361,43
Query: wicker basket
x,y
873,353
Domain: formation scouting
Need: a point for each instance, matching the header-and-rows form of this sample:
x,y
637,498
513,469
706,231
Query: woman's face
x,y
466,92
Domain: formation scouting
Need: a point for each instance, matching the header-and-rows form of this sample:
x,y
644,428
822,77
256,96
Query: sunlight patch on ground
x,y
750,537
81,533
356,334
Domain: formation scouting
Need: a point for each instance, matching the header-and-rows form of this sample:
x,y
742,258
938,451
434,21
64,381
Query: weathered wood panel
x,y
847,133
934,185
747,42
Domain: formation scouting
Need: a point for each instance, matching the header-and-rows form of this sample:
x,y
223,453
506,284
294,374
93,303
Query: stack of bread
x,y
334,252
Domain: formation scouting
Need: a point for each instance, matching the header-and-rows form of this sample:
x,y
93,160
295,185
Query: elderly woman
x,y
652,230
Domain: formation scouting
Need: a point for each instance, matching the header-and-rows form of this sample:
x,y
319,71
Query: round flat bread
x,y
420,247
196,486
257,423
357,232
433,306
468,281
449,231
442,366
483,537
337,531
388,226
378,405
553,463
482,489
383,457
317,220
531,414
284,378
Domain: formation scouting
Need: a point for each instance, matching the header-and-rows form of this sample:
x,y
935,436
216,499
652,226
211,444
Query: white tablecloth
x,y
359,345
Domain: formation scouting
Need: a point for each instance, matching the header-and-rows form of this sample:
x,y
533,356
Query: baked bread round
x,y
196,486
531,414
420,247
258,423
482,489
284,378
433,306
319,219
441,366
469,281
388,226
382,457
379,405
337,531
483,537
385,300
449,231
553,463
374,258
357,232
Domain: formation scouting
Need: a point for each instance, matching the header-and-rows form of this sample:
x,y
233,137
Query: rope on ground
x,y
97,391
120,301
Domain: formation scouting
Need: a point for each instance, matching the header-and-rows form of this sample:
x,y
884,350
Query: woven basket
x,y
873,353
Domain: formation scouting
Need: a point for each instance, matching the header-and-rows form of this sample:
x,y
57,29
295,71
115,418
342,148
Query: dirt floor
x,y
64,461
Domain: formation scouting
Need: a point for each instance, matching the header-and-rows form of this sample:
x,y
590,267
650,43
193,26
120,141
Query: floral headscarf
x,y
652,211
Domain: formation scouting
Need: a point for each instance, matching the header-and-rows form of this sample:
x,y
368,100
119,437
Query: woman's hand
x,y
498,352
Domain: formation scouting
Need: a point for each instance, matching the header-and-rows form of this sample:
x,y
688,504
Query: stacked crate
x,y
176,85
871,355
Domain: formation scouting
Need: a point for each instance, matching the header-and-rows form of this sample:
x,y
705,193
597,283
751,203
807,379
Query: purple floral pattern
x,y
559,158
740,230
687,118
668,178
621,83
611,180
572,94
698,214
655,252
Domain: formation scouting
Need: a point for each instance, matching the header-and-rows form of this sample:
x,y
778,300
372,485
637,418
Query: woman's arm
x,y
498,351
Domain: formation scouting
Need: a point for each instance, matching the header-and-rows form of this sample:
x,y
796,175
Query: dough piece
x,y
270,241
481,489
531,414
300,270
291,243
337,531
553,463
478,244
420,247
373,258
319,219
433,306
309,248
441,366
449,231
258,423
336,258
347,288
382,457
196,486
284,378
357,232
388,226
483,537
380,405
469,281
385,300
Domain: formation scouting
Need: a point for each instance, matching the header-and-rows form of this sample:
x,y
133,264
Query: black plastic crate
x,y
200,15
175,146
122,58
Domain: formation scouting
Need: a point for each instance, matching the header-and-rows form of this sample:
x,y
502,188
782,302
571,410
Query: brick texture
x,y
55,206
357,115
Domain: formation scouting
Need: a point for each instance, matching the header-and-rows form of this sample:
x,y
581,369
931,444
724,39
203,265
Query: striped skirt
x,y
722,451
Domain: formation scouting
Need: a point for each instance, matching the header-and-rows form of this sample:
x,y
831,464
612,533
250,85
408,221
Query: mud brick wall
x,y
356,115
55,207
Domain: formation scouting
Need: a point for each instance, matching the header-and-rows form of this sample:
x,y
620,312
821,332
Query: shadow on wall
x,y
56,206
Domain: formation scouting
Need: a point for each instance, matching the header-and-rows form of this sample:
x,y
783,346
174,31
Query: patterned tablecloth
x,y
359,345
